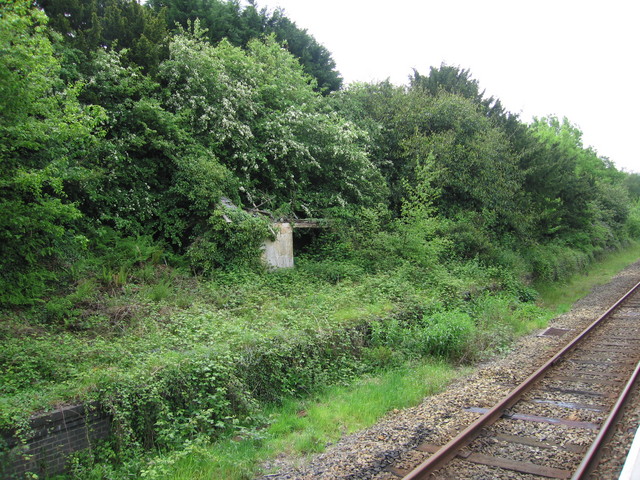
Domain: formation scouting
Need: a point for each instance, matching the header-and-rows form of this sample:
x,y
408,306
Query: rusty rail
x,y
451,449
591,457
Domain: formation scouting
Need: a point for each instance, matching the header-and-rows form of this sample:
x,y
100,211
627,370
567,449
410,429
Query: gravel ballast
x,y
366,454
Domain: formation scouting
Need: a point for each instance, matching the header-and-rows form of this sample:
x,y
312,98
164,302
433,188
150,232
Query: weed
x,y
160,291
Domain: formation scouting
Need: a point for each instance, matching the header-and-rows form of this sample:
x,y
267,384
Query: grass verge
x,y
298,427
558,296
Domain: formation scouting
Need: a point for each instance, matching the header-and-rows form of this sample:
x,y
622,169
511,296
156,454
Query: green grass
x,y
560,295
300,427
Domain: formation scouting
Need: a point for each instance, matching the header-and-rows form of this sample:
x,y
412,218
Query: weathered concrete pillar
x,y
279,253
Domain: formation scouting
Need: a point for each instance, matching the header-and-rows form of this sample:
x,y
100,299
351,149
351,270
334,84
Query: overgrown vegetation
x,y
145,151
173,371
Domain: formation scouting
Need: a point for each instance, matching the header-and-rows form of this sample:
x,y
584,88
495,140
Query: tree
x,y
258,113
452,79
476,169
44,135
127,25
464,148
590,196
315,58
150,176
380,110
226,19
632,182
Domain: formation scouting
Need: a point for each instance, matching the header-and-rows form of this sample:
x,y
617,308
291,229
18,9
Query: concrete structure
x,y
279,252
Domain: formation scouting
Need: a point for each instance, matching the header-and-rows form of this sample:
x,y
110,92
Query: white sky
x,y
573,58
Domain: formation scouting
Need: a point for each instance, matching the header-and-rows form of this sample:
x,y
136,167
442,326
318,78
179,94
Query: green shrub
x,y
68,310
113,251
632,224
333,271
293,366
444,334
556,261
233,240
470,237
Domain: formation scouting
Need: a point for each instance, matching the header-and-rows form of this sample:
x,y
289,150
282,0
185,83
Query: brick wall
x,y
53,437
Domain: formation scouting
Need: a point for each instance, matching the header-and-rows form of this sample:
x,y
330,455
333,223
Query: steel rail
x,y
450,450
591,457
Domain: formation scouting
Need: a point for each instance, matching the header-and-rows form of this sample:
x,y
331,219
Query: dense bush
x,y
441,334
632,224
44,134
416,174
233,240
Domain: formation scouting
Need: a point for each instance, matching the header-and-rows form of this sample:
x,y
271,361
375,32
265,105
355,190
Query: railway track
x,y
553,424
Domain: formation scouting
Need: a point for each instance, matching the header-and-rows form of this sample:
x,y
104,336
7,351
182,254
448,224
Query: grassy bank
x,y
251,365
177,373
558,296
299,427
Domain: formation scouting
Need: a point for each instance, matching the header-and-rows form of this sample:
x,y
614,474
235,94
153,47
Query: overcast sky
x,y
573,58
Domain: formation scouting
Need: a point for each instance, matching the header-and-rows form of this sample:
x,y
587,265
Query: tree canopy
x,y
138,119
44,135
